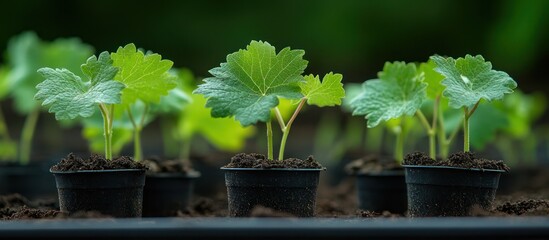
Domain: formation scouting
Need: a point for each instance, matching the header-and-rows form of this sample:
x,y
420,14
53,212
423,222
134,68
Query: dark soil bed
x,y
95,162
460,159
255,160
157,165
372,164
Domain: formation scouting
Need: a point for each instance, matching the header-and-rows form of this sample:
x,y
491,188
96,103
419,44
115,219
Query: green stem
x,y
4,132
269,140
185,154
107,130
430,132
286,129
399,146
171,145
466,130
137,150
27,135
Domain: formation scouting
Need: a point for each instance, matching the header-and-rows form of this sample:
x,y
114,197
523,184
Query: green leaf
x,y
352,90
26,53
483,128
522,110
398,91
4,83
248,85
69,96
329,92
146,77
8,150
432,78
224,133
470,79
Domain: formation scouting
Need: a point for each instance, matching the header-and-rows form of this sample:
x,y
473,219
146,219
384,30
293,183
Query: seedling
x,y
25,54
147,78
248,86
468,81
69,96
398,91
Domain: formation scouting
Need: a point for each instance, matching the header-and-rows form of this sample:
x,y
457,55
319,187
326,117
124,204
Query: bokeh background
x,y
352,37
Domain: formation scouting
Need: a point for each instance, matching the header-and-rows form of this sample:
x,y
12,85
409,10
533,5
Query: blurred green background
x,y
352,37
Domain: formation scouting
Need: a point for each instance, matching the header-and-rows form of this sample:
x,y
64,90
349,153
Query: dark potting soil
x,y
372,164
96,162
261,211
206,207
156,165
255,160
460,159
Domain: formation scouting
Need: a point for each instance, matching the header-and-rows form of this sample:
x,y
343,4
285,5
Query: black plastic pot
x,y
116,192
166,193
32,181
449,191
287,190
383,191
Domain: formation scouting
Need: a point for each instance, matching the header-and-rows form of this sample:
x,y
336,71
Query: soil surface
x,y
460,159
372,164
156,165
255,160
96,162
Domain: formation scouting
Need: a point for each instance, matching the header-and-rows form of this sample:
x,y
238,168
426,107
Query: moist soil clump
x,y
372,164
96,162
156,165
460,159
255,160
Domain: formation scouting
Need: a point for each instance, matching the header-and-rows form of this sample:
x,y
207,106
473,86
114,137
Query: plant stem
x,y
466,130
279,118
269,140
430,132
107,129
286,129
399,146
27,135
4,132
137,151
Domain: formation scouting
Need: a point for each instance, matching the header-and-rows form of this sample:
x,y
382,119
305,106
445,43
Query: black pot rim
x,y
98,171
381,173
275,169
191,174
457,168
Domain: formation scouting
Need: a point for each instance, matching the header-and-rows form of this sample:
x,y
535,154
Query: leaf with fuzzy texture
x,y
69,96
398,91
248,85
329,92
470,79
432,78
26,53
146,77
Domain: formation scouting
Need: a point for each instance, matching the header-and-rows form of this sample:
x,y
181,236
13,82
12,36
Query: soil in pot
x,y
380,184
452,187
169,188
112,187
288,186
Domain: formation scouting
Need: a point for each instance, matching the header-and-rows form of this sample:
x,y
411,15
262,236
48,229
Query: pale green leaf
x,y
26,53
146,77
398,91
470,79
522,110
432,78
352,90
69,96
329,92
224,133
248,85
483,128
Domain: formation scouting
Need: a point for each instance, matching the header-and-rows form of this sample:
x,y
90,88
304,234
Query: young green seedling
x,y
147,78
69,96
248,86
469,80
25,54
398,91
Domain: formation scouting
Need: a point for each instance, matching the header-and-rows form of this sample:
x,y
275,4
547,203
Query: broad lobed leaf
x,y
69,96
248,85
470,79
398,91
329,92
146,77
